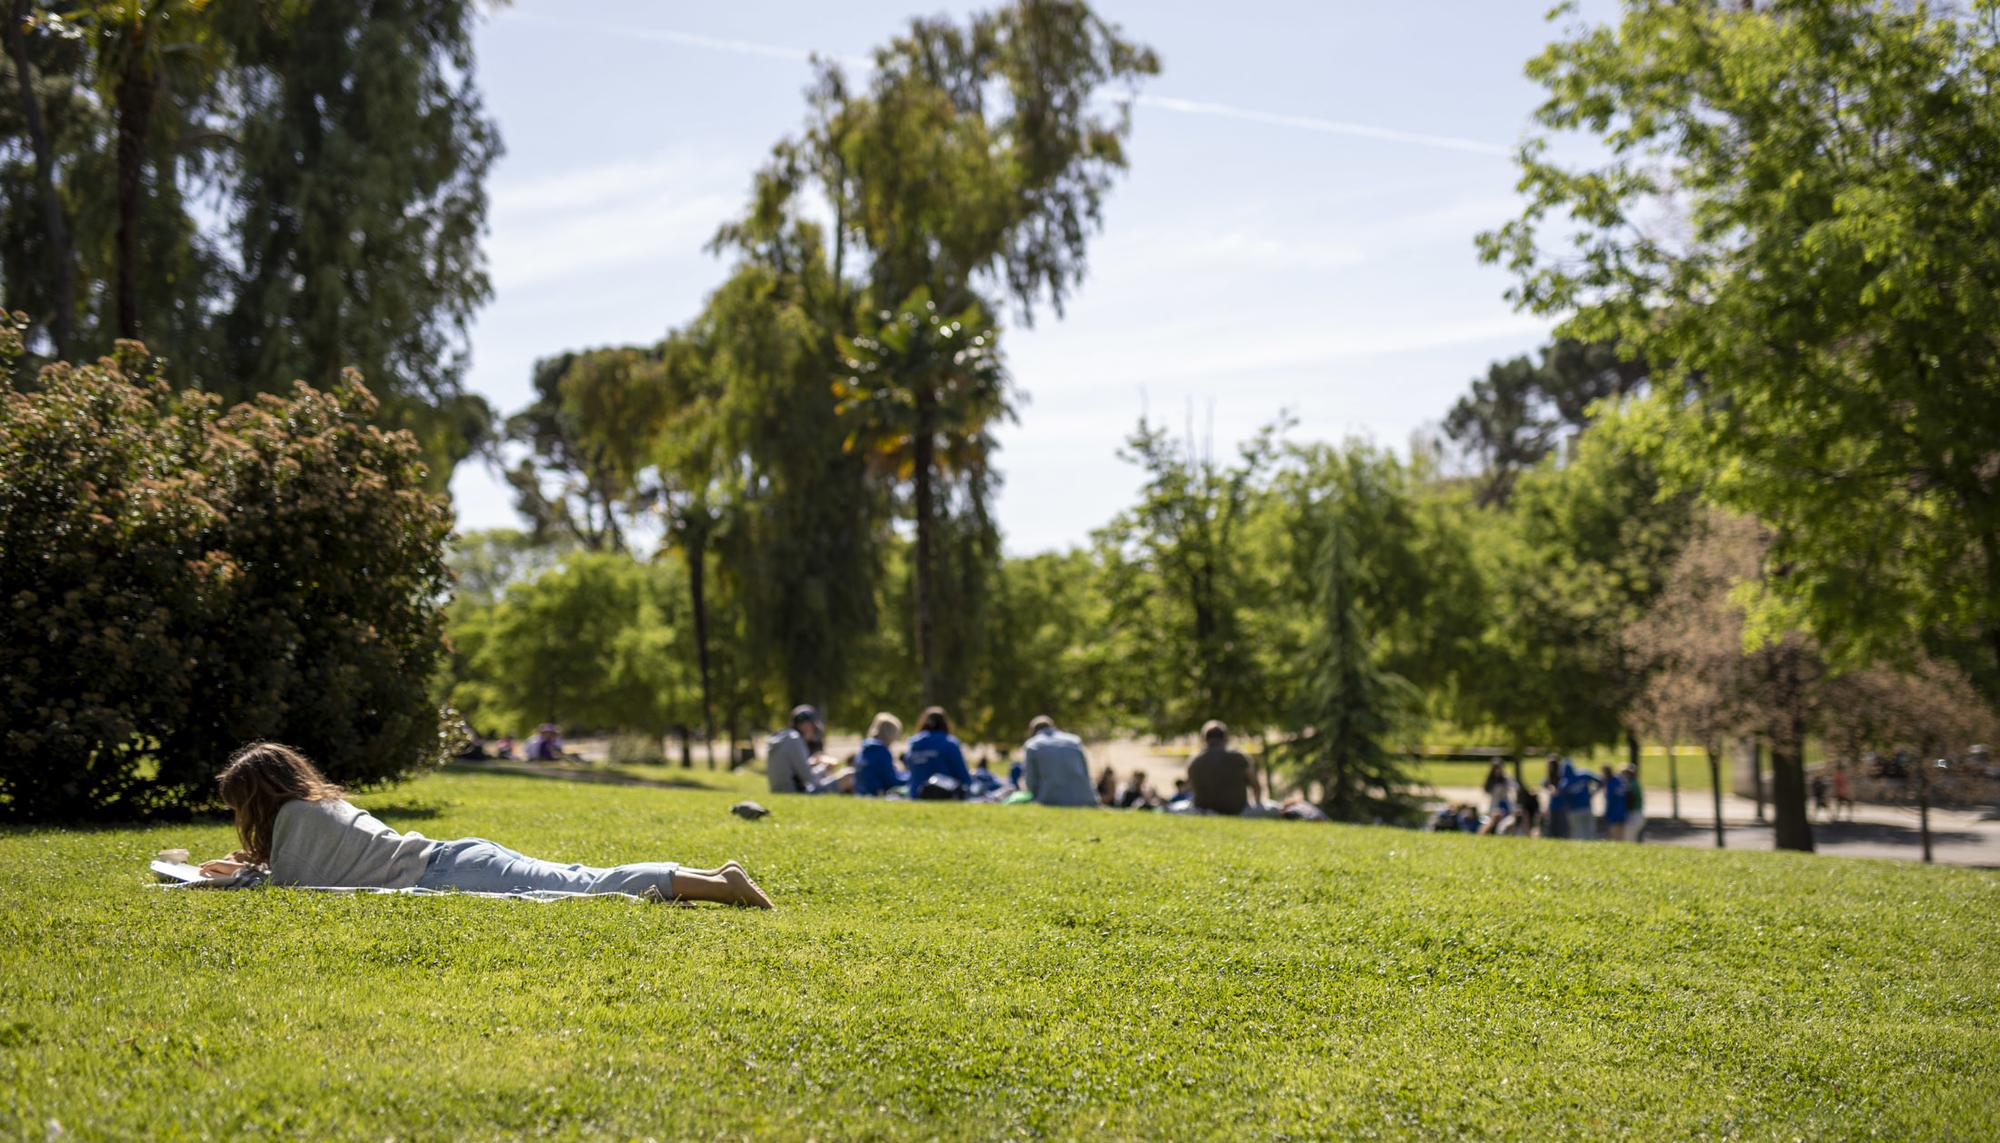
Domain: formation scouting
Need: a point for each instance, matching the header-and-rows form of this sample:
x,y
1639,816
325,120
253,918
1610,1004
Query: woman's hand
x,y
223,866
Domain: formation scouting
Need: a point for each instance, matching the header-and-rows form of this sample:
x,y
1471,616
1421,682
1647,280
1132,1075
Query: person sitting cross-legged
x,y
290,819
1053,766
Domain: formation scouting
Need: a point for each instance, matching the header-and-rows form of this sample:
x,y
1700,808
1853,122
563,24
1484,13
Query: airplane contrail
x,y
1160,102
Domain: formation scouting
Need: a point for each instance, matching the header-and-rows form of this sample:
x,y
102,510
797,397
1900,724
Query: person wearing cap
x,y
788,755
1053,766
1222,779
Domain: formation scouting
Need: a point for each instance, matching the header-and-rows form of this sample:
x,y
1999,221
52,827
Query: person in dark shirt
x,y
1222,779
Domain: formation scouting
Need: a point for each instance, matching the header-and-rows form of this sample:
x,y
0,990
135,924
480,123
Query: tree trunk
x,y
694,544
134,98
1632,753
1715,788
1788,786
1674,778
62,258
923,588
687,750
1757,777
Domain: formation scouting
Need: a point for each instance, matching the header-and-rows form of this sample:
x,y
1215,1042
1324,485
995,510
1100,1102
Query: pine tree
x,y
1347,704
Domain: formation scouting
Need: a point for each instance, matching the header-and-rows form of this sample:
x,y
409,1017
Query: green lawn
x,y
976,971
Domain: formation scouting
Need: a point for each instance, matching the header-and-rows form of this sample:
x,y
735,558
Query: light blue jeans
x,y
475,865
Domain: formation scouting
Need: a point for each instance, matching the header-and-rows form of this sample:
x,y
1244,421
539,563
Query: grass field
x,y
976,971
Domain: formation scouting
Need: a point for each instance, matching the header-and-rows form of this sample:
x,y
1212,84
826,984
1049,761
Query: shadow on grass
x,y
561,773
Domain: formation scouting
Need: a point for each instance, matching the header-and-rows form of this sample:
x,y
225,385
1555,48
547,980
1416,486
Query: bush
x,y
636,750
176,580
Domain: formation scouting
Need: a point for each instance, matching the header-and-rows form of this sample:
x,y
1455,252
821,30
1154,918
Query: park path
x,y
1958,837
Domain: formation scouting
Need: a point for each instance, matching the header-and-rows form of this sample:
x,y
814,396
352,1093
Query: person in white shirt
x,y
291,819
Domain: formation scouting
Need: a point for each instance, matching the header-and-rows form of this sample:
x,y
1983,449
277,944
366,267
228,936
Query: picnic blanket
x,y
182,875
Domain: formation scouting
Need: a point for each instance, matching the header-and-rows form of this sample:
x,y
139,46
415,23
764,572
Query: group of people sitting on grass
x,y
1573,803
1053,770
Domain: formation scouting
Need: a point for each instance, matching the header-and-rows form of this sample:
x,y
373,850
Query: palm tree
x,y
920,390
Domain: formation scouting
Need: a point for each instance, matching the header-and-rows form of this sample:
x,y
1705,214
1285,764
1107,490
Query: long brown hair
x,y
259,779
934,719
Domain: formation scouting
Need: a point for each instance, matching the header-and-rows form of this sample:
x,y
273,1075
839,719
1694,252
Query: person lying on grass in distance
x,y
292,819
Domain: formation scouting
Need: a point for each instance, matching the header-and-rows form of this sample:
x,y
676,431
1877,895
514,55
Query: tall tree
x,y
1824,286
359,191
22,22
1348,705
920,392
591,432
975,155
1524,408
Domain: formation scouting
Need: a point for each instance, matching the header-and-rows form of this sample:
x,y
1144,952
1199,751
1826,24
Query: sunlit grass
x,y
977,970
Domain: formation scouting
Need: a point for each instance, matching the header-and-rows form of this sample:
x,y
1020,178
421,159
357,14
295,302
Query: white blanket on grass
x,y
181,875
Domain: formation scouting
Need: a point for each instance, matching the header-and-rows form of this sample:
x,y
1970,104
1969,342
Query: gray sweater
x,y
1055,771
335,844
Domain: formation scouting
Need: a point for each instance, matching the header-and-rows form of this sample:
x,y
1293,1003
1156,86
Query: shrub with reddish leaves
x,y
177,580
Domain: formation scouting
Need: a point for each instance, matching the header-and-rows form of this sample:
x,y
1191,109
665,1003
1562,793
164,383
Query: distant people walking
x,y
1578,787
1843,793
935,754
1054,768
1222,779
1556,821
1496,786
1635,805
1819,792
788,767
875,771
1616,812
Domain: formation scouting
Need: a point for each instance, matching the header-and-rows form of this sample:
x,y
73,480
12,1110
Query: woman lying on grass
x,y
292,819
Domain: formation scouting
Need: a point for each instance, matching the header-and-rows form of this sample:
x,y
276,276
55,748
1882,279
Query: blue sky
x,y
1295,231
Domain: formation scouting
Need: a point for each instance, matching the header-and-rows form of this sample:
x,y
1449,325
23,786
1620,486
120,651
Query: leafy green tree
x,y
22,31
1524,407
1178,579
974,154
591,433
590,643
358,179
1822,289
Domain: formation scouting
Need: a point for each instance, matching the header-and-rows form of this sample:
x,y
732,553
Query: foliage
x,y
181,580
1523,409
1756,985
1348,705
598,642
264,192
1822,287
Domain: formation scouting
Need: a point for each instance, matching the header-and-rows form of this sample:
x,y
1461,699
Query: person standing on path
x,y
1616,812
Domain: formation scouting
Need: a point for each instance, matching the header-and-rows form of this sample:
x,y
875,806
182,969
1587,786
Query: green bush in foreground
x,y
973,971
176,580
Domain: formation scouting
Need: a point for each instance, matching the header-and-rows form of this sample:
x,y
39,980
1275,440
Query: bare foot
x,y
745,890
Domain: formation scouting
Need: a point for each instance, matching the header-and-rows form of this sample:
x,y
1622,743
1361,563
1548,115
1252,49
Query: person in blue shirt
x,y
1577,787
933,751
1616,813
875,770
